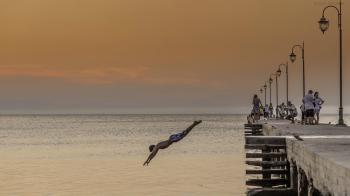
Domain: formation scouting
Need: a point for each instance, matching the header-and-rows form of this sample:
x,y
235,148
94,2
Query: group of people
x,y
288,111
310,109
283,111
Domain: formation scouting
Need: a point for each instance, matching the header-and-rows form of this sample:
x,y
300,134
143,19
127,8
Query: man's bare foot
x,y
197,122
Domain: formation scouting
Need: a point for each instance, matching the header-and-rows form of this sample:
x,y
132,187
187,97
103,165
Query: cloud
x,y
82,75
107,75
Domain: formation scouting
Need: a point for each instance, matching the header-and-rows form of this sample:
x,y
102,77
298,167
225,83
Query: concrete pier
x,y
319,161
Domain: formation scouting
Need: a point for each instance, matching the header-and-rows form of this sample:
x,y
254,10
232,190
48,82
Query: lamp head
x,y
324,24
270,80
279,72
265,86
292,57
261,90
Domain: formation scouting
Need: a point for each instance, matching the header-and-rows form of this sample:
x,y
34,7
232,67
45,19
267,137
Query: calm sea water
x,y
103,155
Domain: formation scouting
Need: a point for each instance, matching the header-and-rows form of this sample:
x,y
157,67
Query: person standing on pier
x,y
266,111
309,102
318,105
302,109
256,107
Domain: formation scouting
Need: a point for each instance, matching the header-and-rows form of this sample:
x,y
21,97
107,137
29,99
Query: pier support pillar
x,y
293,176
266,176
303,184
311,188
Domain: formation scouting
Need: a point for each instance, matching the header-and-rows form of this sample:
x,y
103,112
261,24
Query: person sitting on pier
x,y
165,144
292,111
278,111
309,102
318,106
250,118
283,111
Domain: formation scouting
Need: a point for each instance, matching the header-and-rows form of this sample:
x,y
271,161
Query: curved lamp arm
x,y
332,6
273,74
297,45
282,65
292,56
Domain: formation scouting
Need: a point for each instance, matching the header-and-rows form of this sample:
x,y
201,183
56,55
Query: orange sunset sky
x,y
162,56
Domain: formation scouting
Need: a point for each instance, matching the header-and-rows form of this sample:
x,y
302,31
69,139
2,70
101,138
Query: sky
x,y
163,56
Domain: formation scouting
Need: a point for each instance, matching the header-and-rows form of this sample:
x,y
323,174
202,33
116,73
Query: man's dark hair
x,y
151,147
310,91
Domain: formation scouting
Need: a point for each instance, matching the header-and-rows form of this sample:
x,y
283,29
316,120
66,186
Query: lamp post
x,y
261,91
276,74
293,57
265,87
270,82
324,25
279,73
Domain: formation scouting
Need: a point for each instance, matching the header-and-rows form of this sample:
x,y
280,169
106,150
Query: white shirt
x,y
309,102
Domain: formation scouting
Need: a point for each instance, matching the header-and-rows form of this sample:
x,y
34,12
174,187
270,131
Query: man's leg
x,y
303,118
195,123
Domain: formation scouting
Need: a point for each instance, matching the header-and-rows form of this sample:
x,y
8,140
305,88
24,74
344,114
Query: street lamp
x,y
293,57
279,73
324,25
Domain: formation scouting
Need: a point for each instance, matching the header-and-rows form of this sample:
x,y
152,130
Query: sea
x,y
104,155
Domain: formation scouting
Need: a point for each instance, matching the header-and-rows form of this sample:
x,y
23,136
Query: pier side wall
x,y
315,168
322,174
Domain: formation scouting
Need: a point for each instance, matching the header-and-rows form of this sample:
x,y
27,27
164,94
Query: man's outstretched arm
x,y
195,123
